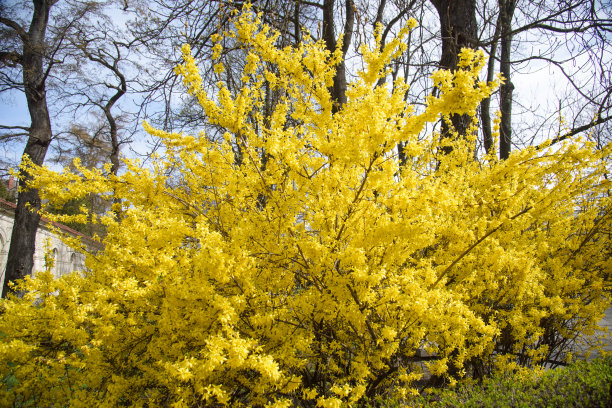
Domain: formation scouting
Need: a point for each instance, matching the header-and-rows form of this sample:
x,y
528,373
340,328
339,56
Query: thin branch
x,y
310,3
27,129
475,244
15,26
575,131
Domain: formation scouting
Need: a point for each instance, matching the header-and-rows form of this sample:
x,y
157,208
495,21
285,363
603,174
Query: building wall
x,y
66,259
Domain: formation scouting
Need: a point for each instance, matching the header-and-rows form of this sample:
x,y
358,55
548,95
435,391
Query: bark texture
x,y
329,36
506,12
459,30
485,105
21,252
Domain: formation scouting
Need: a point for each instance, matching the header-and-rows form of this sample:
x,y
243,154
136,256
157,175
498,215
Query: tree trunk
x,y
459,30
21,252
485,105
114,155
339,87
506,12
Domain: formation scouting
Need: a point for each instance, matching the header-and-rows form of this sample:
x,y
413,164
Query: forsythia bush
x,y
296,261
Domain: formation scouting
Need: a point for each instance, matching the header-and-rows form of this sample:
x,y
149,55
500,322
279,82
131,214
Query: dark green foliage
x,y
72,207
93,204
5,193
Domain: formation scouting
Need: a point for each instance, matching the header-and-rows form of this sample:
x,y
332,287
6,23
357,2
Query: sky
x,y
13,111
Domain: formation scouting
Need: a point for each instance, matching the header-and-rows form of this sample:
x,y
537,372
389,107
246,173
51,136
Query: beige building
x,y
66,259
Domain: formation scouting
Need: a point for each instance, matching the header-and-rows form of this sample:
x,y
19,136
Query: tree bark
x,y
114,155
338,89
21,252
459,30
506,12
485,105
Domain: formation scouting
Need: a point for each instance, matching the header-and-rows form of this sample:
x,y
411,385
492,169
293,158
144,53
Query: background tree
x,y
34,54
30,58
92,147
506,13
458,29
568,38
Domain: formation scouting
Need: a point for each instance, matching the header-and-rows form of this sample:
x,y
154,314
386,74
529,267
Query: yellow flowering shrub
x,y
316,269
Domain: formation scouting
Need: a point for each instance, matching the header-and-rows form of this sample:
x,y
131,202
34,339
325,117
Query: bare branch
x,y
25,128
575,131
21,32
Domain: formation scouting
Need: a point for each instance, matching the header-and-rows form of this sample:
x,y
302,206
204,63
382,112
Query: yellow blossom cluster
x,y
318,269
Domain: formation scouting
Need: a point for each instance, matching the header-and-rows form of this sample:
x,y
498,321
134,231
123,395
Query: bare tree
x,y
568,37
33,55
485,106
96,76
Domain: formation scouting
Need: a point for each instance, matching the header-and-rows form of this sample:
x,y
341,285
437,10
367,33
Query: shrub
x,y
297,261
582,384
